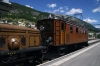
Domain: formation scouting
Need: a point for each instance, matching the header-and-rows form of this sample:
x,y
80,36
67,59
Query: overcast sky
x,y
90,9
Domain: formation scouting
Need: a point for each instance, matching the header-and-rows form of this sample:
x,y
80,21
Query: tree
x,y
14,23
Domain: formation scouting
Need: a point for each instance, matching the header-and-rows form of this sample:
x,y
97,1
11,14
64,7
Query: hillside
x,y
26,14
23,12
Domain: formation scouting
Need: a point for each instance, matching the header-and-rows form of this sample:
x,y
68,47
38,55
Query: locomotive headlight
x,y
14,43
13,40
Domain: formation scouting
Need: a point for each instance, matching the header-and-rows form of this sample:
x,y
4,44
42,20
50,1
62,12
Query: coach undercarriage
x,y
65,49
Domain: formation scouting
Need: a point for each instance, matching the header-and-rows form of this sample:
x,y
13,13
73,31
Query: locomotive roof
x,y
68,22
15,27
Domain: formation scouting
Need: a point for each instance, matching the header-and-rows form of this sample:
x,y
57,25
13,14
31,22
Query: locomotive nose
x,y
14,44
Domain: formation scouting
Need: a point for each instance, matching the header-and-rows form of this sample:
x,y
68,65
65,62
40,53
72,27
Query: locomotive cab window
x,y
76,30
62,26
44,25
48,25
71,29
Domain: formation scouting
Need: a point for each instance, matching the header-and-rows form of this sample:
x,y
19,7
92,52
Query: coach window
x,y
62,26
76,30
71,29
82,31
48,25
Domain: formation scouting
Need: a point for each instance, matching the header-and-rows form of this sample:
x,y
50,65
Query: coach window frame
x,y
62,26
71,29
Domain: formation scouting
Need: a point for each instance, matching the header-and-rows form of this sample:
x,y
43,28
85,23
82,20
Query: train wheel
x,y
62,51
86,44
41,59
75,47
26,63
82,45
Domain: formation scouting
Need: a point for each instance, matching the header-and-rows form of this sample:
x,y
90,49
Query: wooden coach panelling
x,y
63,35
34,40
74,37
79,36
67,33
31,41
57,28
59,36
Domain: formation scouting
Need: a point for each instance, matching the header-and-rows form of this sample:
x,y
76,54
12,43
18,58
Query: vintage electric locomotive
x,y
20,43
63,35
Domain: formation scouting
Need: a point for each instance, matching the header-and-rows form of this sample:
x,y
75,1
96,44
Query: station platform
x,y
88,56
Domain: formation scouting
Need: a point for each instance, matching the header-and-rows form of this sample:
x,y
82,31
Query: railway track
x,y
92,41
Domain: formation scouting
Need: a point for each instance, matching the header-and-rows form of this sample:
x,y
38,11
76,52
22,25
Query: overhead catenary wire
x,y
92,7
65,5
75,4
61,2
86,6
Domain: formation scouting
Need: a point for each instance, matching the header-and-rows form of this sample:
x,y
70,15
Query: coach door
x,y
57,32
63,33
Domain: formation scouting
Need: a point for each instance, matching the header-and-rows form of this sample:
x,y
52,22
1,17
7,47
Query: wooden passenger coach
x,y
64,33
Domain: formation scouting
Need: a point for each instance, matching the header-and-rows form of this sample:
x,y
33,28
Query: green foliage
x,y
14,23
98,36
26,23
23,12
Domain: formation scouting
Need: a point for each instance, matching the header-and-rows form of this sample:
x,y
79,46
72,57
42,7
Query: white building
x,y
32,25
1,21
20,23
91,35
10,23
